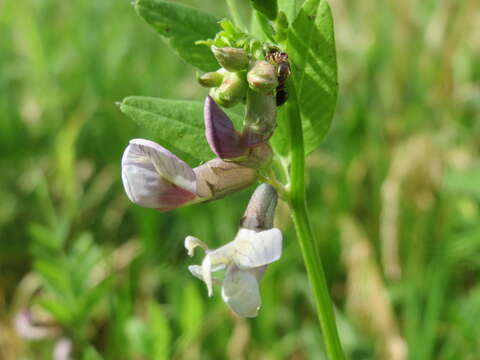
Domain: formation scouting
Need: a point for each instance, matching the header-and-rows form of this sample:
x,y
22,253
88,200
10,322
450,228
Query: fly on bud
x,y
262,77
230,58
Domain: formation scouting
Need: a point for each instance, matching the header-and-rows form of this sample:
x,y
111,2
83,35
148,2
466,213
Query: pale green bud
x,y
262,77
232,90
231,59
210,79
260,118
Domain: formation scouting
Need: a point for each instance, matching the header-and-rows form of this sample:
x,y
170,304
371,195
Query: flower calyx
x,y
230,58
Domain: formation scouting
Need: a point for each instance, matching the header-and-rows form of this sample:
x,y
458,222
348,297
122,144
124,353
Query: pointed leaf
x,y
175,124
159,332
191,310
268,8
311,50
181,26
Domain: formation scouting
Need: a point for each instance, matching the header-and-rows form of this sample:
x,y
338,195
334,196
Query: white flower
x,y
244,260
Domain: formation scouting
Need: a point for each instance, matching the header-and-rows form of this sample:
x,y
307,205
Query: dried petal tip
x,y
232,59
262,77
220,132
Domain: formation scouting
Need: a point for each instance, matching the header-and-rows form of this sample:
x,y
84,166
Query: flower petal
x,y
254,249
220,132
207,274
153,177
240,291
196,270
170,167
191,242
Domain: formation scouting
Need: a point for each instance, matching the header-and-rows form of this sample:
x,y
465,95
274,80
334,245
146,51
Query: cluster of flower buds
x,y
242,79
238,73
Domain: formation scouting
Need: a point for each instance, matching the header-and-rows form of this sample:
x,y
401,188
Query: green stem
x,y
305,236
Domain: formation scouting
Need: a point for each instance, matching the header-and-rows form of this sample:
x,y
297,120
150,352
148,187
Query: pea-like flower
x,y
246,257
155,178
244,260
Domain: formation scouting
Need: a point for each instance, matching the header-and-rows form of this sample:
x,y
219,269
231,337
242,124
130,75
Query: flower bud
x,y
232,90
262,77
221,135
210,79
260,118
231,59
217,178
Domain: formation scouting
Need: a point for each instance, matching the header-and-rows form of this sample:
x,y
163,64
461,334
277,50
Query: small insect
x,y
280,58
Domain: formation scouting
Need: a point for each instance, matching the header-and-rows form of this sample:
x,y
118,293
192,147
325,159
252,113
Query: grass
x,y
393,193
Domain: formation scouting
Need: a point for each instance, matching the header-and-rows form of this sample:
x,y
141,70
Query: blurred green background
x,y
394,194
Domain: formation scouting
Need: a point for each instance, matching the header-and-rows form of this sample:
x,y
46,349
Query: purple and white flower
x,y
155,178
244,260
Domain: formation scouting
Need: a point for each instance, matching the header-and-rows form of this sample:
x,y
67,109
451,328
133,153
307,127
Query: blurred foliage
x,y
396,182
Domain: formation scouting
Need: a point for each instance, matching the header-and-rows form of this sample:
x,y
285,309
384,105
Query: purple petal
x,y
155,178
220,132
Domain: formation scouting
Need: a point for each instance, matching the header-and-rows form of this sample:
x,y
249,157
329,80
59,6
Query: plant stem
x,y
305,236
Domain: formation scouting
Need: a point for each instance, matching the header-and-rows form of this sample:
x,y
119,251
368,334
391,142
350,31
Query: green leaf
x,y
281,136
90,353
175,124
311,50
159,332
465,182
55,276
137,337
61,312
192,312
180,26
289,7
266,7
